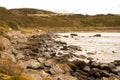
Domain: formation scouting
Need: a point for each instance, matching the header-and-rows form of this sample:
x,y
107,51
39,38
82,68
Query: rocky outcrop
x,y
4,43
44,58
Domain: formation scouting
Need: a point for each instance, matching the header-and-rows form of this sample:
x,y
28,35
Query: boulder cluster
x,y
44,58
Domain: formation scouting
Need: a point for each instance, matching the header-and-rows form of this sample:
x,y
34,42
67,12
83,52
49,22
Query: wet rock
x,y
97,35
95,72
72,66
114,71
117,62
80,64
94,64
105,66
33,64
104,73
90,58
72,35
66,36
64,48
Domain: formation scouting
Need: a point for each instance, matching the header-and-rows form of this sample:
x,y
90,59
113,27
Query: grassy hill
x,y
25,11
17,18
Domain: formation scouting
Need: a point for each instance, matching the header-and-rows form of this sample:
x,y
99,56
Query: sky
x,y
90,7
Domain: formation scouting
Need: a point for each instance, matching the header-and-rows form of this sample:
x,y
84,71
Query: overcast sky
x,y
67,6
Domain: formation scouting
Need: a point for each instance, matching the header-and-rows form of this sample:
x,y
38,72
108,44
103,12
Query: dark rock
x,y
72,66
80,64
72,35
114,71
105,66
64,48
97,35
104,73
91,53
35,49
117,62
94,64
90,58
66,36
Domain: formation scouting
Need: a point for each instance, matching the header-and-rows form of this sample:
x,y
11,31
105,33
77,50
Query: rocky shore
x,y
44,58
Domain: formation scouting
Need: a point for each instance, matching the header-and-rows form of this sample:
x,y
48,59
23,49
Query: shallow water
x,y
106,47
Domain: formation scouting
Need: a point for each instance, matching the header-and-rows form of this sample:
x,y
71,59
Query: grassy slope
x,y
16,18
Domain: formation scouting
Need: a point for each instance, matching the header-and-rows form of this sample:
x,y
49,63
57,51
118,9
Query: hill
x,y
17,18
25,11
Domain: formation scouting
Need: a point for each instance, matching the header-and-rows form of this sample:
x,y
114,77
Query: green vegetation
x,y
18,18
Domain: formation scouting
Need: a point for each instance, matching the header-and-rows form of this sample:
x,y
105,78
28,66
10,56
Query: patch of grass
x,y
10,68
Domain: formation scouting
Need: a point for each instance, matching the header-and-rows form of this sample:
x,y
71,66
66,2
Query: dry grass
x,y
9,68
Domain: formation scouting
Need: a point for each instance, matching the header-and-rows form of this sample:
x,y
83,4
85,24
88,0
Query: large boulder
x,y
4,43
7,56
60,69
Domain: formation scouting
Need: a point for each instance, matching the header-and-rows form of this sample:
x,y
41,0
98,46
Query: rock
x,y
33,64
4,43
105,66
97,35
91,53
72,66
82,56
72,34
86,68
47,54
7,56
64,77
80,64
94,64
113,78
34,74
114,71
117,62
74,47
95,72
104,73
60,69
90,58
64,48
80,75
41,60
50,62
20,56
66,36
35,49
